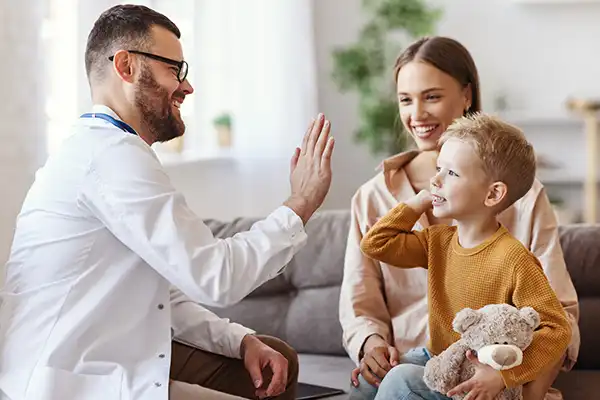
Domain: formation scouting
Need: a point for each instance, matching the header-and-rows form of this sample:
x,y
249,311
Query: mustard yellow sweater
x,y
500,270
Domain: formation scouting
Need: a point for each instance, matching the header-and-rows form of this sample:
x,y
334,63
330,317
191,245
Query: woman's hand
x,y
379,357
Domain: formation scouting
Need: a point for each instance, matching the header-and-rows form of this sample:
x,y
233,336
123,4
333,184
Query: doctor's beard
x,y
155,106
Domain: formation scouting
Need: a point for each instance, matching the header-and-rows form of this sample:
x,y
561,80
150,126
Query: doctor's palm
x,y
310,171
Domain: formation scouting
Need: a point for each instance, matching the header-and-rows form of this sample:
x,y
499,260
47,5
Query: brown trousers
x,y
229,375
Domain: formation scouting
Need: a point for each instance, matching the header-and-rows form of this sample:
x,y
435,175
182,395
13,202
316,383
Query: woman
x,y
383,310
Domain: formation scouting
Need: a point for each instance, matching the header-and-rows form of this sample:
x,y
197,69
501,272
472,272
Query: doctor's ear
x,y
124,65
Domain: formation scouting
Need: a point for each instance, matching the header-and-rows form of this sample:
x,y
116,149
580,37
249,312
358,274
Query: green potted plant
x,y
222,124
365,67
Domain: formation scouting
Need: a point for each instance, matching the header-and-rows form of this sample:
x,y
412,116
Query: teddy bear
x,y
498,333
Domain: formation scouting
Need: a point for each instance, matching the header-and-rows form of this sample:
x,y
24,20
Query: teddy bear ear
x,y
530,316
464,319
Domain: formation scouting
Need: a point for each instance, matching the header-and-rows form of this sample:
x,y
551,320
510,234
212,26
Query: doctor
x,y
103,238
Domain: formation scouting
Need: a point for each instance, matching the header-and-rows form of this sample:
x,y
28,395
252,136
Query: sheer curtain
x,y
275,93
274,71
21,113
256,60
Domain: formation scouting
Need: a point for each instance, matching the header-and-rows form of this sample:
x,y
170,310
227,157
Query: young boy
x,y
484,166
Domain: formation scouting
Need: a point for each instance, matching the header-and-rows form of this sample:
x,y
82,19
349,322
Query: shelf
x,y
170,159
564,2
562,179
541,119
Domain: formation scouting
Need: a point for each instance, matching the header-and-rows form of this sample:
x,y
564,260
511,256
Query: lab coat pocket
x,y
57,384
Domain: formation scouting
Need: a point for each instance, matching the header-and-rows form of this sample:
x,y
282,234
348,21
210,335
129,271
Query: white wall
x,y
226,188
20,111
537,55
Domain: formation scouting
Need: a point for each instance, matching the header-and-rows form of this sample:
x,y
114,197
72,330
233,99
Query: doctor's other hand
x,y
310,169
257,356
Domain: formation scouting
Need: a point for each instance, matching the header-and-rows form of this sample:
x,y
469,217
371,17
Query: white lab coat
x,y
101,242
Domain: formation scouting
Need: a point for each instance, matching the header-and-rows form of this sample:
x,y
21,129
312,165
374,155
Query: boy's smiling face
x,y
461,186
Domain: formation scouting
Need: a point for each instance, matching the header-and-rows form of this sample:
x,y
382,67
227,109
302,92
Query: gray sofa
x,y
301,305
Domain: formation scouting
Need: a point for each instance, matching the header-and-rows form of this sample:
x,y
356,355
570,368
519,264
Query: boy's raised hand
x,y
420,202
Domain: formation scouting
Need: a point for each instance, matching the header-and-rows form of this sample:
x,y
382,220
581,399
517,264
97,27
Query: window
x,y
59,35
67,94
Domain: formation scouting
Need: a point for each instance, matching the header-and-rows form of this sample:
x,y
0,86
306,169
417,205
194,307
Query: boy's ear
x,y
497,192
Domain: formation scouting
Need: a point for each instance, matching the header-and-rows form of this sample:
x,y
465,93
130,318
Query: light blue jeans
x,y
403,382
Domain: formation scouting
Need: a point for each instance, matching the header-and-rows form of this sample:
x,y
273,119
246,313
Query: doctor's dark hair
x,y
122,27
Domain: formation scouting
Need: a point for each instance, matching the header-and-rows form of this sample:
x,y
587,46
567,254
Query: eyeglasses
x,y
182,66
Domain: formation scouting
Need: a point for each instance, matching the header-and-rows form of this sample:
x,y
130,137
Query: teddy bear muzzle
x,y
500,356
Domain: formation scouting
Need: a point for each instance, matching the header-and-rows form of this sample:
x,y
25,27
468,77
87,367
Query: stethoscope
x,y
118,123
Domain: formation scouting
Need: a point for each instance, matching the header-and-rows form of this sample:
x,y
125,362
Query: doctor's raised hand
x,y
310,169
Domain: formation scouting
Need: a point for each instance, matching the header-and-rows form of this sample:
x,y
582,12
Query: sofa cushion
x,y
589,326
278,285
331,371
309,286
580,244
581,248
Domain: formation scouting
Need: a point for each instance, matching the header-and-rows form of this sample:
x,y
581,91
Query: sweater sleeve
x,y
551,338
391,240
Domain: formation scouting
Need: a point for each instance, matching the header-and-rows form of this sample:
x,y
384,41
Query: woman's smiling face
x,y
429,100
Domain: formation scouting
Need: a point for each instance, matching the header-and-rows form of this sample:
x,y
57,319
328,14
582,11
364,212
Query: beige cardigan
x,y
392,302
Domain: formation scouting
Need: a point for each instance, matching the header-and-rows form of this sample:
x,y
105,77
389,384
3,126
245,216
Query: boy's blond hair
x,y
505,153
